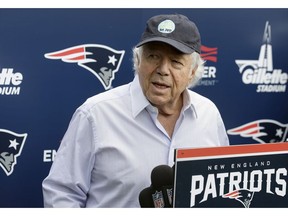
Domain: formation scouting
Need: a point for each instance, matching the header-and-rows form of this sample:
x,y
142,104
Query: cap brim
x,y
177,45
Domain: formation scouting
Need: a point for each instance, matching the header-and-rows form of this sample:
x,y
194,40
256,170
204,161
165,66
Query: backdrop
x,y
45,75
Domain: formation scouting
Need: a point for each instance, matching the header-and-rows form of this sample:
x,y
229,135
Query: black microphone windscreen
x,y
162,175
145,198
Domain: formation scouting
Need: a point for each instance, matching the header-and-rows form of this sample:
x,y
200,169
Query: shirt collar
x,y
138,99
188,102
140,102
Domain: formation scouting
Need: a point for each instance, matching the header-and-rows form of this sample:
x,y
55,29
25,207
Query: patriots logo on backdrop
x,y
11,145
262,131
101,60
244,196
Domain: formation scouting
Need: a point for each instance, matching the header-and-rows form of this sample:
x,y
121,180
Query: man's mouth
x,y
160,85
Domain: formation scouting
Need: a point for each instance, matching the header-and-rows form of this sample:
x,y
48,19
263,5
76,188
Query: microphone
x,y
160,193
145,198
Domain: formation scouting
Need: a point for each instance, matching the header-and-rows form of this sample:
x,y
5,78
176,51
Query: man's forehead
x,y
155,45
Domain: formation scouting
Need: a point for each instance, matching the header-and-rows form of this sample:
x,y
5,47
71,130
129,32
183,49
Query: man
x,y
116,138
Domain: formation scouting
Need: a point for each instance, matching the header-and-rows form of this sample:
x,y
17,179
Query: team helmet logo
x,y
11,145
243,196
101,60
262,131
158,199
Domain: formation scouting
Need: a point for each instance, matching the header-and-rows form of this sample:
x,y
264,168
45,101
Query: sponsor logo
x,y
209,54
261,72
102,61
11,145
10,82
262,131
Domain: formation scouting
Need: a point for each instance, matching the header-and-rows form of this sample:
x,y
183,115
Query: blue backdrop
x,y
246,76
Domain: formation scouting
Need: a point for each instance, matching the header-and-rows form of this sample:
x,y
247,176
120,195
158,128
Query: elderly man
x,y
116,138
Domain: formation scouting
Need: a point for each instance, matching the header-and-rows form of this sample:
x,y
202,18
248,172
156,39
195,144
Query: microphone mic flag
x,y
160,193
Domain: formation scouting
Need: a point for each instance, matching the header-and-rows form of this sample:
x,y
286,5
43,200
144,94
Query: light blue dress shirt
x,y
113,142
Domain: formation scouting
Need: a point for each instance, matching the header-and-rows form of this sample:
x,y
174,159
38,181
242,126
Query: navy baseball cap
x,y
175,29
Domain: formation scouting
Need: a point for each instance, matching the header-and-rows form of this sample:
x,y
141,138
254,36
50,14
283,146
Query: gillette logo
x,y
261,71
10,81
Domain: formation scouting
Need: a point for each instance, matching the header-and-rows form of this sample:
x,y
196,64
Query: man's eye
x,y
177,62
152,56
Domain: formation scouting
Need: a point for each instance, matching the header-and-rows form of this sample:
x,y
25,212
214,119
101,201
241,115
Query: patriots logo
x,y
11,145
100,60
244,196
262,131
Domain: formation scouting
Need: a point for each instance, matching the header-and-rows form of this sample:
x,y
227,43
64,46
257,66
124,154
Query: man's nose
x,y
163,67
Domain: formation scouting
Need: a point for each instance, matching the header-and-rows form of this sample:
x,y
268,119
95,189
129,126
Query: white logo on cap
x,y
167,26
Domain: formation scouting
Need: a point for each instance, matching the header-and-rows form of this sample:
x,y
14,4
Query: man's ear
x,y
193,72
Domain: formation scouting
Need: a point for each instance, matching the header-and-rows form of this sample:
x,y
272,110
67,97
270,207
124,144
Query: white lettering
x,y
9,90
209,72
269,173
7,77
256,174
271,88
222,177
197,185
210,187
261,76
281,182
214,184
235,180
49,155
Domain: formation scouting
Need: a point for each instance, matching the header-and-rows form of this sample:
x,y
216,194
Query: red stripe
x,y
210,58
208,53
67,52
254,125
208,49
233,194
